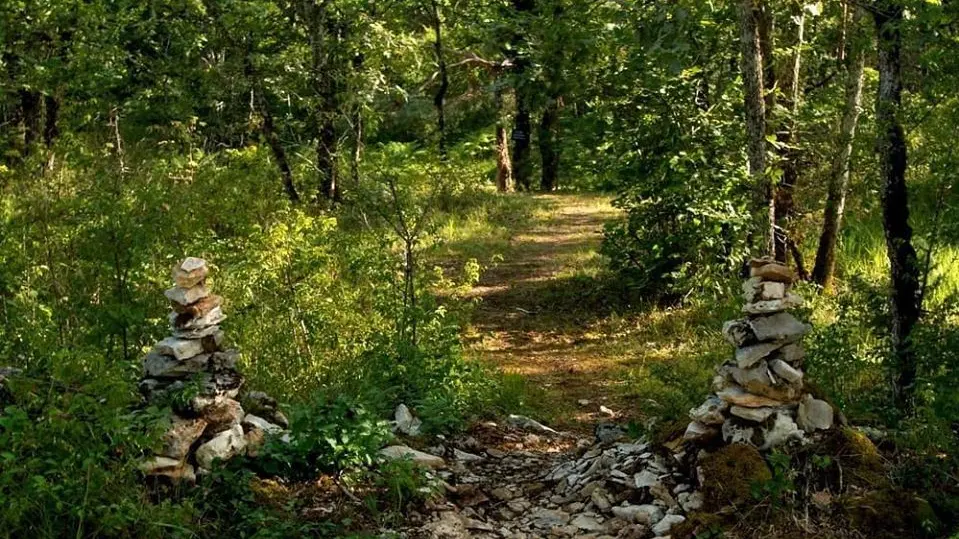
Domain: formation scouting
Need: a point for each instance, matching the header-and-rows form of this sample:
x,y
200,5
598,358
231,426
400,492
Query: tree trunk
x,y
756,116
549,152
439,99
324,36
522,168
504,167
906,299
789,155
31,114
824,269
51,129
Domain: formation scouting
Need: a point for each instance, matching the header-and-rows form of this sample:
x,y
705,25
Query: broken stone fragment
x,y
699,432
178,348
180,437
223,446
781,431
756,415
735,395
792,353
759,381
174,469
405,422
814,414
773,272
526,423
400,452
780,327
253,422
213,342
786,371
663,526
749,356
770,306
190,272
647,514
199,308
222,414
163,366
710,412
185,322
186,296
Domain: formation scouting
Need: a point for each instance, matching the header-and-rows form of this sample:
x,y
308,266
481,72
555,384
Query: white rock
x,y
694,501
549,518
786,371
814,414
463,456
698,431
258,422
645,479
710,412
667,523
749,356
396,452
223,446
647,514
756,415
186,296
178,348
587,523
780,327
526,423
406,422
782,430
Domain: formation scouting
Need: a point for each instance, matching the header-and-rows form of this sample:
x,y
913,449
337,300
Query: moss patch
x,y
890,513
730,475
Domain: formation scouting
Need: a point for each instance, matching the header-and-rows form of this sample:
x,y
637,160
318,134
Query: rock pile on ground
x,y
759,397
196,375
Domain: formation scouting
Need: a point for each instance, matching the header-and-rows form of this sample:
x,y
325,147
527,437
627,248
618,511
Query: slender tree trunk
x,y
51,128
824,270
504,166
787,136
756,116
906,298
324,36
439,99
357,147
31,114
522,168
549,152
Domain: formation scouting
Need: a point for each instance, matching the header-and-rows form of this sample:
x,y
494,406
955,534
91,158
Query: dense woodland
x,y
351,169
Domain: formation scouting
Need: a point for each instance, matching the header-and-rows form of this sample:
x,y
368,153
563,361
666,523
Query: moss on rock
x,y
730,474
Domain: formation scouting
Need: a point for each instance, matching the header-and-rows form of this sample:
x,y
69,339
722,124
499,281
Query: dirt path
x,y
541,308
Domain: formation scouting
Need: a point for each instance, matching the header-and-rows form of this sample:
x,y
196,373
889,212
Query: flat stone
x,y
548,518
737,396
759,381
756,415
258,423
196,334
198,308
814,414
748,356
663,526
693,502
164,366
223,446
178,348
773,272
398,452
463,456
186,322
792,353
587,523
786,371
190,272
710,412
174,469
769,306
780,327
600,499
180,437
738,333
647,514
186,296
525,423
645,479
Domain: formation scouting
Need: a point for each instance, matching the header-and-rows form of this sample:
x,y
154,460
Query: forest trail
x,y
541,308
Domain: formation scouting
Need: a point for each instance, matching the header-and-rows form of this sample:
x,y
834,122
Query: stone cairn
x,y
759,397
208,423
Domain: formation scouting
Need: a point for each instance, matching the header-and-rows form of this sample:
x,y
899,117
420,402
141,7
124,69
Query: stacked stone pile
x,y
211,424
759,397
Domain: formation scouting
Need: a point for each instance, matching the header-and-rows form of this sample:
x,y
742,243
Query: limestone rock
x,y
738,333
735,395
814,414
587,523
255,440
163,366
748,356
769,306
697,431
662,528
643,514
792,353
199,308
174,469
405,421
756,415
786,371
396,452
190,272
736,433
178,348
254,422
180,437
223,446
186,322
526,423
780,327
759,381
222,414
548,518
186,296
773,272
781,431
710,412
463,456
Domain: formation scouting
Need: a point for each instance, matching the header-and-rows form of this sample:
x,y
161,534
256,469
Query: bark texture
x,y
548,149
789,155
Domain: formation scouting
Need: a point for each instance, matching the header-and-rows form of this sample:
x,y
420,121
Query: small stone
x,y
198,308
738,333
583,402
607,433
255,439
463,456
748,356
587,523
163,366
180,437
492,452
759,381
186,296
223,446
645,479
667,523
710,412
548,518
178,348
222,414
647,514
756,415
780,327
174,469
258,423
398,452
406,422
693,502
600,499
735,395
792,353
191,272
526,423
786,371
814,414
186,322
